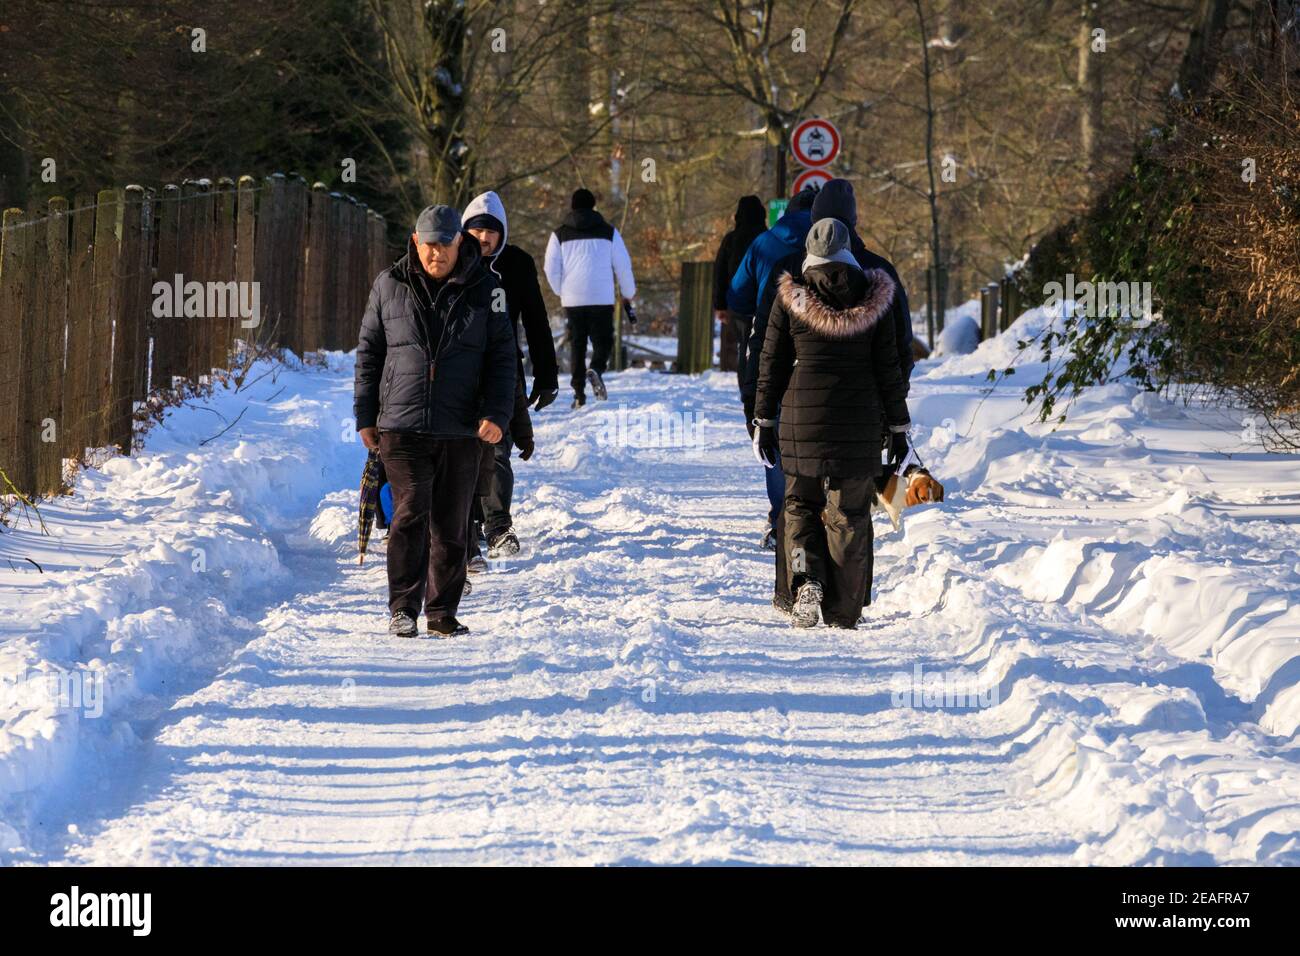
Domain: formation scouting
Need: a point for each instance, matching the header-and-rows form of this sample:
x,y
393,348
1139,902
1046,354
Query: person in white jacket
x,y
583,258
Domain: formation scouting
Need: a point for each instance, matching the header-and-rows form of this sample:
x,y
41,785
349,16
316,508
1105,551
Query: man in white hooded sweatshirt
x,y
485,220
582,259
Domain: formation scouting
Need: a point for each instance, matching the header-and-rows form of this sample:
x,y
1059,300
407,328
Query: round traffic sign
x,y
811,177
815,142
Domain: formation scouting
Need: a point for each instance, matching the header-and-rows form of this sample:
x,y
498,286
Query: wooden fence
x,y
84,338
695,318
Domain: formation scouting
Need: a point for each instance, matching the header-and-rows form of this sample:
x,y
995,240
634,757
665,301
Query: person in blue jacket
x,y
748,288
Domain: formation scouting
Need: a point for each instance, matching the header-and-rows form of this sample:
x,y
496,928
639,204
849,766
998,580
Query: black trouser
x,y
433,487
496,500
597,323
742,326
828,540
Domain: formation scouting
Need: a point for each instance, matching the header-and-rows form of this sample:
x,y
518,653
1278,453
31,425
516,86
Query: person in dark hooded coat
x,y
750,220
830,364
835,200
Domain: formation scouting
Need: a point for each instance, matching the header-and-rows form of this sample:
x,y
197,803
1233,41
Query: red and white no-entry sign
x,y
815,142
811,177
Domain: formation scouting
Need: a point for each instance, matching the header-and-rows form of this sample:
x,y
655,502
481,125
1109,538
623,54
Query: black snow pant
x,y
433,488
500,490
482,487
742,326
828,539
597,323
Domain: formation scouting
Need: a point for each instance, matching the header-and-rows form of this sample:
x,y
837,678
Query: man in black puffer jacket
x,y
830,364
435,375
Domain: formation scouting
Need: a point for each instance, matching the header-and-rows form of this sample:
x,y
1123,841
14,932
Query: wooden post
x,y
203,328
79,404
50,464
15,266
316,268
342,250
246,253
267,268
695,318
108,226
289,262
131,306
223,270
187,255
166,330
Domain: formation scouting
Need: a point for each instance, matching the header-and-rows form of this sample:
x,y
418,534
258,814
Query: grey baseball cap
x,y
828,241
438,224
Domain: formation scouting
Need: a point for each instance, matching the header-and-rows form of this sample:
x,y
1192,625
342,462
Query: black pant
x,y
433,487
496,500
597,323
828,539
741,326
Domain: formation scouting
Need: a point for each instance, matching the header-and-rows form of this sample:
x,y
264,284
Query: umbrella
x,y
372,479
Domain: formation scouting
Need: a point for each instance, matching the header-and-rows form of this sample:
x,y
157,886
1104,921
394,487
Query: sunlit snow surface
x,y
1119,590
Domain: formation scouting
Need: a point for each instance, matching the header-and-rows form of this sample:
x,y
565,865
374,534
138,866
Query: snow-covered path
x,y
1115,597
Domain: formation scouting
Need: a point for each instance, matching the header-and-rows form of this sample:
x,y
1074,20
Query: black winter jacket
x,y
830,364
399,386
793,264
518,274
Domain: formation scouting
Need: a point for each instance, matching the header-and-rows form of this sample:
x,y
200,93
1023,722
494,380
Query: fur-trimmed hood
x,y
803,302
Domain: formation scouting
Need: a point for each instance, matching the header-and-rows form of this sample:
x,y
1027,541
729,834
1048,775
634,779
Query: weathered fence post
x,y
49,470
267,268
988,311
15,267
695,318
245,253
1010,298
132,304
223,270
79,400
108,213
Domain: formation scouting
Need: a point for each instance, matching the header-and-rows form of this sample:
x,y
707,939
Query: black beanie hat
x,y
583,199
485,220
836,201
802,200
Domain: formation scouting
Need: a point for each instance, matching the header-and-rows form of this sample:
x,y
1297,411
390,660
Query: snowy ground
x,y
1111,601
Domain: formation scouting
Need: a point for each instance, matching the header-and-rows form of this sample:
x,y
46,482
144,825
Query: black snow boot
x,y
403,624
476,564
578,401
807,605
597,384
447,627
504,545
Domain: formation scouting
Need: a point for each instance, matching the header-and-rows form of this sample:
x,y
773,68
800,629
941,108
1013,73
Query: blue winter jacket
x,y
749,283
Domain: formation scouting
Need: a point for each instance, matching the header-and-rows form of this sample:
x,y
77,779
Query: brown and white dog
x,y
915,486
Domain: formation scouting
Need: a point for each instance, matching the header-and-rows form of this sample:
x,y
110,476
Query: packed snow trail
x,y
1114,595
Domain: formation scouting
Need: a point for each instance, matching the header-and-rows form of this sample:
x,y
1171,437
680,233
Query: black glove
x,y
525,446
629,311
898,446
766,447
541,397
749,416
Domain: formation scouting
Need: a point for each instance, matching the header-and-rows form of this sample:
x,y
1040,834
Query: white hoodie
x,y
490,204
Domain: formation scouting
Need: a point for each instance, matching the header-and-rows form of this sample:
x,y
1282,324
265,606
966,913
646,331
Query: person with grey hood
x,y
830,365
435,376
485,220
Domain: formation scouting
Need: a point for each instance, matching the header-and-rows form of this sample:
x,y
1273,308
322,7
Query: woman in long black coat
x,y
830,364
